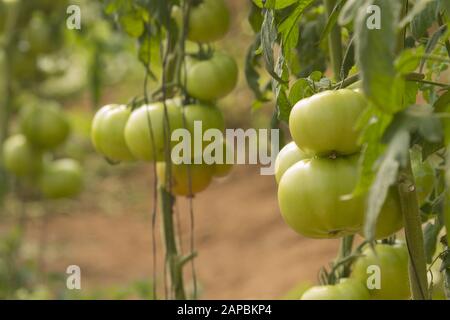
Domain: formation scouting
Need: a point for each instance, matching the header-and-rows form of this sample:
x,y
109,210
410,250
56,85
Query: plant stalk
x,y
334,42
6,91
173,259
413,234
345,250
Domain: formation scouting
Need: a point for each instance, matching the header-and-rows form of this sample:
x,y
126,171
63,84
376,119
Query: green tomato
x,y
187,179
279,4
392,261
310,199
309,196
209,21
325,122
107,132
210,117
20,158
286,158
347,289
61,179
390,219
45,126
142,144
211,79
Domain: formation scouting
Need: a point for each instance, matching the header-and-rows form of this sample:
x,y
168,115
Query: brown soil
x,y
245,250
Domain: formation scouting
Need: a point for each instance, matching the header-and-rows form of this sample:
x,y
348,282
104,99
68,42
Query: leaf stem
x,y
334,42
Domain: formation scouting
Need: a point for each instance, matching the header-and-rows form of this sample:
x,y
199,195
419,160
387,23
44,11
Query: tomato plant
x,y
395,62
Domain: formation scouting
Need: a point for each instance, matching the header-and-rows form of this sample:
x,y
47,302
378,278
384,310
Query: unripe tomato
x,y
209,21
61,179
392,261
347,289
210,116
310,198
187,179
223,169
137,130
107,132
423,173
20,158
325,122
287,157
211,79
198,118
46,127
390,219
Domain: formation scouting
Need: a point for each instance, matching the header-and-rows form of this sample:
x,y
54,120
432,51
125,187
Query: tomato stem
x,y
6,92
173,259
413,233
334,42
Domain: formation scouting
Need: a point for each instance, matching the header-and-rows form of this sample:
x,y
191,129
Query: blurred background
x,y
245,251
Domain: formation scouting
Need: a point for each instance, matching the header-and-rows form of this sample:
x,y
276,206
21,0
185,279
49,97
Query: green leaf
x,y
348,60
417,119
332,20
274,4
148,50
132,23
386,176
425,18
419,7
114,6
431,44
284,106
349,10
375,55
268,38
409,60
255,18
300,89
289,30
251,73
445,5
431,234
373,124
442,104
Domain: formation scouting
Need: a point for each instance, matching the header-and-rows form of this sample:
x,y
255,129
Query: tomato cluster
x,y
26,154
318,171
121,133
380,273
